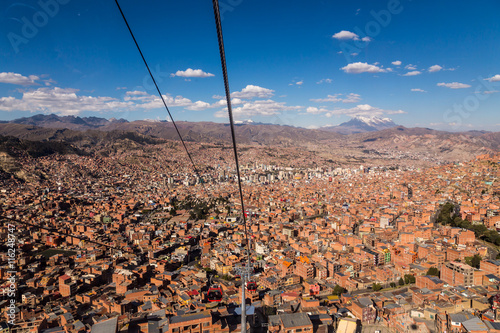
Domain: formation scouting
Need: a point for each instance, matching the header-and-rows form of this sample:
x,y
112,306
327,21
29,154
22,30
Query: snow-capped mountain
x,y
248,121
361,124
374,121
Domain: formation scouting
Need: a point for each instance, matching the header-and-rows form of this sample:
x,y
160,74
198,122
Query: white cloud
x,y
344,35
315,110
412,73
143,100
490,91
48,82
198,106
411,67
363,110
155,102
359,110
330,98
454,85
223,102
15,78
362,67
299,83
64,101
459,125
146,101
396,63
418,90
351,98
435,68
136,93
324,81
257,108
495,78
192,73
69,101
251,91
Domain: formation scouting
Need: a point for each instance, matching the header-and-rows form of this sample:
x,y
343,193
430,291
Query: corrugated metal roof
x,y
106,326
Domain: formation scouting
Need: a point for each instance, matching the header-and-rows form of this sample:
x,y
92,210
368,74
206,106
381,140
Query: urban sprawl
x,y
135,241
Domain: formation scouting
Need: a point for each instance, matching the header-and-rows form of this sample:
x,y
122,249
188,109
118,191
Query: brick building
x,y
428,281
490,266
456,273
304,269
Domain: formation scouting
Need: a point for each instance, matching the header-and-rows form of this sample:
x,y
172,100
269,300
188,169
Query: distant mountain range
x,y
70,122
360,124
360,139
357,124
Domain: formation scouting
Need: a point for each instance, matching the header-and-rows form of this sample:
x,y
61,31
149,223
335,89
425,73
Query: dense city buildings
x,y
134,241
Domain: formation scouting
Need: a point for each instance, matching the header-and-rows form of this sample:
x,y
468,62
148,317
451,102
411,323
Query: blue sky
x,y
299,63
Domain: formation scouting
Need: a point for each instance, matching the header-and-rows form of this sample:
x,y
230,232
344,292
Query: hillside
x,y
359,124
396,145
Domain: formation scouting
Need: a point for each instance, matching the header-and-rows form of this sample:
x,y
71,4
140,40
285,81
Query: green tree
x,y
473,261
173,211
409,279
444,215
433,271
338,290
376,286
393,284
401,282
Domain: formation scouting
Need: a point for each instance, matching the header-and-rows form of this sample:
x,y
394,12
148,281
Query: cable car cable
x,y
230,112
161,96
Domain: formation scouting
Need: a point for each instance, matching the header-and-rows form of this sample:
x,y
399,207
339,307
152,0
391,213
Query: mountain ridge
x,y
361,124
70,122
397,143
